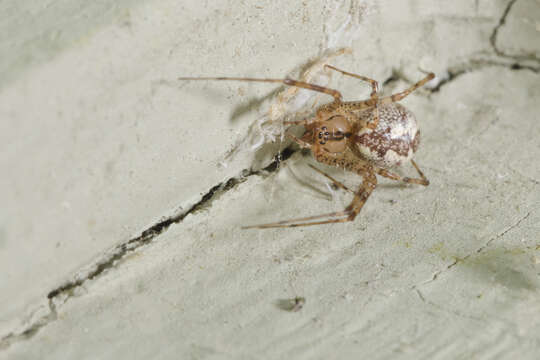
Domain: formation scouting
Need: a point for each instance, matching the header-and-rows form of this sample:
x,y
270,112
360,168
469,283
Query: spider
x,y
367,137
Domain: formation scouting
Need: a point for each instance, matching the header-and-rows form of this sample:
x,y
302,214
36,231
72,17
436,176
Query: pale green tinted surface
x,y
98,143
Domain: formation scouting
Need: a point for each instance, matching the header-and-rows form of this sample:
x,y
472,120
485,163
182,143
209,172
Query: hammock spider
x,y
366,137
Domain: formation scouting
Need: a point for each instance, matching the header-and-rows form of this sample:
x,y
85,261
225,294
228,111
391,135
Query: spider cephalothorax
x,y
331,134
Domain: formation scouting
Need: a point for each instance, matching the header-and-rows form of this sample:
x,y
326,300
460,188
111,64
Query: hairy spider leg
x,y
334,93
349,214
334,181
422,181
373,96
300,142
368,172
351,106
297,221
369,184
400,95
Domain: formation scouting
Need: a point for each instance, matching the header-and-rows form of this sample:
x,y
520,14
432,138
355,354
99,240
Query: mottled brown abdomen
x,y
395,139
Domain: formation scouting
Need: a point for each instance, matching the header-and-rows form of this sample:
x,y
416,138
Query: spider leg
x,y
349,214
400,95
334,181
362,194
374,83
373,96
299,141
421,181
302,221
373,103
426,181
334,93
298,122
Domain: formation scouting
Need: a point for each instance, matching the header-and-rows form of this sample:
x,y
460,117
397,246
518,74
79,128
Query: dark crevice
x,y
394,77
9,339
474,65
456,71
390,80
502,21
516,66
495,33
452,75
147,236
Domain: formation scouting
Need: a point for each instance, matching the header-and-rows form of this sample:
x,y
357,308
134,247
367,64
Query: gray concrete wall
x,y
124,189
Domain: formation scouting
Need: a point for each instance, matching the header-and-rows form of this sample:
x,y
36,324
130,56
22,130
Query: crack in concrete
x,y
30,331
495,33
455,71
501,234
454,263
452,75
67,290
436,275
477,64
420,295
147,236
120,251
448,311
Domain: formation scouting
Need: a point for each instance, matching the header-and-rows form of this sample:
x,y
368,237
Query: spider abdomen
x,y
395,139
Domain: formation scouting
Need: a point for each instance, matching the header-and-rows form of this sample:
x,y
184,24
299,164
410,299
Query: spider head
x,y
331,134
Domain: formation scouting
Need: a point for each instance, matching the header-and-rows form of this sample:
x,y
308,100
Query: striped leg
x,y
421,181
374,97
401,95
349,214
334,93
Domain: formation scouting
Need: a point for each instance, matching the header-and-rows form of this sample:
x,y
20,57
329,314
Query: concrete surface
x,y
124,190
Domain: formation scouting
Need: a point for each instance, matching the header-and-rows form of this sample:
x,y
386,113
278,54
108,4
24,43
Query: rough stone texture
x,y
519,35
119,234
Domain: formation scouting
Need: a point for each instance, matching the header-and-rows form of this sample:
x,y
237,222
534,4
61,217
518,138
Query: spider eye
x,y
333,132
